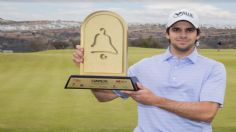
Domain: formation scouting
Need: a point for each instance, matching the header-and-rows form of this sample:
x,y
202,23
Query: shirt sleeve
x,y
120,94
214,87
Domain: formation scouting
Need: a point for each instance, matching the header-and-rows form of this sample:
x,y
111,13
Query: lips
x,y
182,41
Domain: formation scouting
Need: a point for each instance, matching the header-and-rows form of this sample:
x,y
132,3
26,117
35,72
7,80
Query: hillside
x,y
29,36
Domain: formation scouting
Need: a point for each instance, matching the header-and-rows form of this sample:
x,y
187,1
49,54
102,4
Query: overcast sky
x,y
141,11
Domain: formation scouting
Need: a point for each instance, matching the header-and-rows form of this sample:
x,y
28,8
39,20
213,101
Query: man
x,y
180,90
219,46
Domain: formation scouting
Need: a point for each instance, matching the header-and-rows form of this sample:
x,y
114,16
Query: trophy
x,y
104,39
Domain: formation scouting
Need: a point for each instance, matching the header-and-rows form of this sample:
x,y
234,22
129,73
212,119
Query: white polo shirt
x,y
194,78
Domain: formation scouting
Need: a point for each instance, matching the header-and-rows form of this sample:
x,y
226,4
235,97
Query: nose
x,y
183,34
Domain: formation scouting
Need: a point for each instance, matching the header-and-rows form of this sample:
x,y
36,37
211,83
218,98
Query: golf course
x,y
33,98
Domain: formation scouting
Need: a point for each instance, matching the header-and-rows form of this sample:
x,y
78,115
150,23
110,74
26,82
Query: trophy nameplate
x,y
104,39
102,82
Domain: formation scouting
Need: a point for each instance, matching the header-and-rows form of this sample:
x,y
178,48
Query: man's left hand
x,y
143,95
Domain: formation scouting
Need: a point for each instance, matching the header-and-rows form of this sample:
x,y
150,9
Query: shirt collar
x,y
192,57
167,55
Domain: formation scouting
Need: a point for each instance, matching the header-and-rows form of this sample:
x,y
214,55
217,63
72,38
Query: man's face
x,y
182,36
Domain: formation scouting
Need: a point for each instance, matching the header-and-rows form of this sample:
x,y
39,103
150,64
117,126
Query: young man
x,y
180,90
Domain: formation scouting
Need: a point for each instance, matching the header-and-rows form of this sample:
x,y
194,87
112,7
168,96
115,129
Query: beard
x,y
183,49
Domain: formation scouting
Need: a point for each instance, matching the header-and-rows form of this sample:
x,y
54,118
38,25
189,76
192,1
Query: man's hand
x,y
143,95
78,55
104,95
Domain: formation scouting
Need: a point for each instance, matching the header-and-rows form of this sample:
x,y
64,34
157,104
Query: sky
x,y
212,12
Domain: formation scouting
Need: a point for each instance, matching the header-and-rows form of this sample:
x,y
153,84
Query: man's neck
x,y
180,54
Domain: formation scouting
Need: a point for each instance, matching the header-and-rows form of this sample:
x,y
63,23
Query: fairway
x,y
33,98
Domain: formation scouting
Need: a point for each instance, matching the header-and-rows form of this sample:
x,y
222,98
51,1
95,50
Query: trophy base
x,y
102,82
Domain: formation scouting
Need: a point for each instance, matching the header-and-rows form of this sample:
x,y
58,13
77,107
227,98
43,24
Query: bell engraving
x,y
103,44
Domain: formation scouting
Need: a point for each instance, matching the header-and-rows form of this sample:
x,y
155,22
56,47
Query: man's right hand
x,y
78,55
101,95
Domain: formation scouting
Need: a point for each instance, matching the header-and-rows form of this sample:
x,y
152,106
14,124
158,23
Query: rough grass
x,y
33,98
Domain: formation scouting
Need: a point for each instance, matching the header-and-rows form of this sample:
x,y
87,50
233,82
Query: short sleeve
x,y
214,86
120,94
131,71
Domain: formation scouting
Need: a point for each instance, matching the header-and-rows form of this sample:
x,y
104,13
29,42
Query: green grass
x,y
33,98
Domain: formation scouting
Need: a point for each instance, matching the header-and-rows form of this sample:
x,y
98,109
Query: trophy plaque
x,y
104,39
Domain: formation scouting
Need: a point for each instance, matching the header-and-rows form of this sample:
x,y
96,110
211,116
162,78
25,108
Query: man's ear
x,y
198,37
167,36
